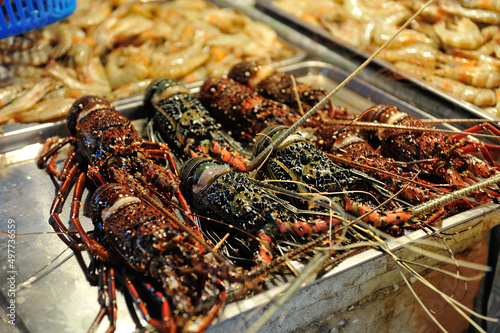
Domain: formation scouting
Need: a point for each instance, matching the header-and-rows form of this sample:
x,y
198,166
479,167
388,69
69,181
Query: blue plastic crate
x,y
18,16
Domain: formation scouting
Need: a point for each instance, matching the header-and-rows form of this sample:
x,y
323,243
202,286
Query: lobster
x,y
179,118
279,86
298,166
243,203
137,234
134,215
345,146
448,158
236,105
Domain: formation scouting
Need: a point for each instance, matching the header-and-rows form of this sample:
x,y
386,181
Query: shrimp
x,y
475,76
227,20
422,54
61,35
90,13
483,4
476,96
479,76
94,73
387,12
105,29
462,33
180,63
478,56
53,109
494,110
133,88
311,12
383,33
478,15
127,27
22,50
347,30
27,99
125,65
11,92
67,76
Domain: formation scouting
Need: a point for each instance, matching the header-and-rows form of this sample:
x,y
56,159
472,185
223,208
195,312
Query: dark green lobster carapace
x,y
240,202
183,122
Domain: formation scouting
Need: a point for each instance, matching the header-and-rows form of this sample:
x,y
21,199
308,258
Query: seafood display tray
x,y
350,51
60,299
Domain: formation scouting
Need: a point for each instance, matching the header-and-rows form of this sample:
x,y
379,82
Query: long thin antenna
x,y
434,204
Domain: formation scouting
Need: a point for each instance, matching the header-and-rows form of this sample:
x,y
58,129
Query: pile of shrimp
x,y
454,45
114,49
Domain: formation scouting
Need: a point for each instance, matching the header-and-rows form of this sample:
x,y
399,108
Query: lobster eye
x,y
82,107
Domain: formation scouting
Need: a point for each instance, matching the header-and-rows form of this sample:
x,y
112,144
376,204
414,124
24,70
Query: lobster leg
x,y
164,179
165,311
50,150
210,317
94,246
484,148
55,221
106,297
139,303
379,219
76,182
477,129
161,150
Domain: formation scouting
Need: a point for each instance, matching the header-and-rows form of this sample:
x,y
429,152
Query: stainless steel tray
x,y
349,51
63,301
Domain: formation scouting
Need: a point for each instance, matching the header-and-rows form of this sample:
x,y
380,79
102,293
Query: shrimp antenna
x,y
258,159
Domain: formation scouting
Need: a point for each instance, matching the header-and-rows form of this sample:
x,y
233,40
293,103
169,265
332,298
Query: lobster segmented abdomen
x,y
236,105
241,202
245,205
184,118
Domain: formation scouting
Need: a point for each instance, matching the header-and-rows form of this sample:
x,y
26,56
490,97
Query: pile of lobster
x,y
197,215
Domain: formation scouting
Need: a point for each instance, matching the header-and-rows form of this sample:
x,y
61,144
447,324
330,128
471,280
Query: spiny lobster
x,y
134,216
430,151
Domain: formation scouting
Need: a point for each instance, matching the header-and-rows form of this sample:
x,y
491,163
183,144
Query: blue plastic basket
x,y
18,16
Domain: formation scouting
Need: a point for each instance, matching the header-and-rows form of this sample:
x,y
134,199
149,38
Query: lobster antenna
x,y
433,204
454,121
45,270
370,125
257,160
